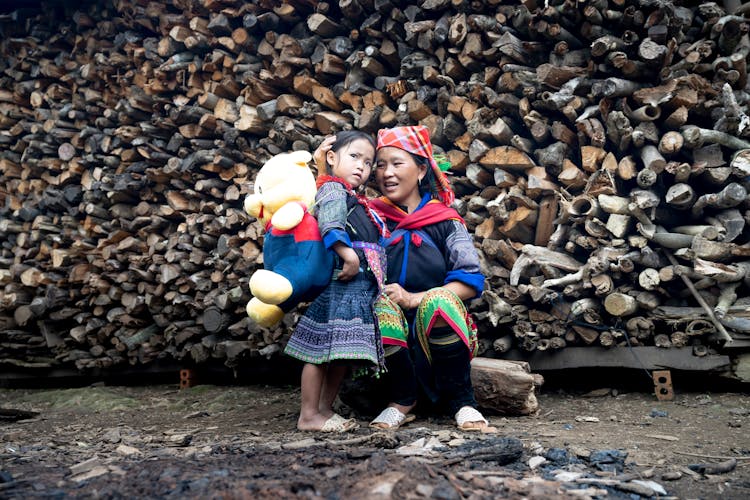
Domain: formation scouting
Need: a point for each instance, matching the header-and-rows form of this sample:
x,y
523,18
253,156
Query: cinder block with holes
x,y
187,378
663,385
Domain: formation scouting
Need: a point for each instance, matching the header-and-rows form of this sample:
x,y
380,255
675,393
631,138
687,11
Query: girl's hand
x,y
404,299
320,153
351,263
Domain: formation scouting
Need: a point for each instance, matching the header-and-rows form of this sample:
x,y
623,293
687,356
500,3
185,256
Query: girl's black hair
x,y
348,136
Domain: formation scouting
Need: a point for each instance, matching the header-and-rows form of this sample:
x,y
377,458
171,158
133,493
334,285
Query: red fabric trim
x,y
322,179
431,213
306,230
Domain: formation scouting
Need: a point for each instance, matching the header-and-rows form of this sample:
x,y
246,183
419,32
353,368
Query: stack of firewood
x,y
601,154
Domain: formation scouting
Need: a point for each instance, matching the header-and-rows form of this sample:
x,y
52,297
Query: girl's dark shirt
x,y
359,226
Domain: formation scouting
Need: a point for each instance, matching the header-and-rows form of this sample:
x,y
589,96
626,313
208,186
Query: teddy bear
x,y
297,266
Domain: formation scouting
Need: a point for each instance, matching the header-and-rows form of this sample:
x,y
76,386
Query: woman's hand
x,y
320,153
351,263
404,299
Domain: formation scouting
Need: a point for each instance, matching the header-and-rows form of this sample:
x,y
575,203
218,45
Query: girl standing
x,y
339,325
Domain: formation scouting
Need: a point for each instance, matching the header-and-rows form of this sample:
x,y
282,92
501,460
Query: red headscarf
x,y
416,140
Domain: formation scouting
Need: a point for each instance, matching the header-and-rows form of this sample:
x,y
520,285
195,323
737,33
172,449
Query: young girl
x,y
339,325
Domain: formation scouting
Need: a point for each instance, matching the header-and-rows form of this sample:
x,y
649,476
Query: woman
x,y
433,267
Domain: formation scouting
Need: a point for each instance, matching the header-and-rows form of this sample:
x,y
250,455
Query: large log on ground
x,y
505,387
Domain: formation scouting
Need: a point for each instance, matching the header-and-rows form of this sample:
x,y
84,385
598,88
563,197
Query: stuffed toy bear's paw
x,y
288,216
265,315
270,287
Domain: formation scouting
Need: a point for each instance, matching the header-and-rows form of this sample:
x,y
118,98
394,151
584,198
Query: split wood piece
x,y
506,157
506,387
536,255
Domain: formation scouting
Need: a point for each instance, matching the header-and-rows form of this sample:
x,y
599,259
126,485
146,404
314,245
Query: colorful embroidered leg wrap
x,y
442,303
392,324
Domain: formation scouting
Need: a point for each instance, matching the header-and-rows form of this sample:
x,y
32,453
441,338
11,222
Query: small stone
x,y
580,452
735,424
443,435
112,436
180,439
567,476
442,492
673,475
425,490
587,419
536,461
558,456
658,413
126,450
536,448
333,473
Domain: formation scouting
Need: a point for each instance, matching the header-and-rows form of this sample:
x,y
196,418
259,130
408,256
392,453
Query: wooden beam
x,y
642,357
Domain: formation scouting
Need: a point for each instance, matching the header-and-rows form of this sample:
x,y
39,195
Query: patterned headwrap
x,y
416,140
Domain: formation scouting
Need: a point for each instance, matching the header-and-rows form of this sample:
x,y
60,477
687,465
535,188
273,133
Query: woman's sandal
x,y
391,419
467,418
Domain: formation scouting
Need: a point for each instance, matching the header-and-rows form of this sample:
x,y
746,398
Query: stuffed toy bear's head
x,y
282,179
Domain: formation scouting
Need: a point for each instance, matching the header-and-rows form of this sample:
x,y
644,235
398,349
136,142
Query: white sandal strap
x,y
390,416
469,414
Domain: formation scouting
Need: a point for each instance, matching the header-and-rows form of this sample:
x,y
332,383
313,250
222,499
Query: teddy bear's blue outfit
x,y
299,255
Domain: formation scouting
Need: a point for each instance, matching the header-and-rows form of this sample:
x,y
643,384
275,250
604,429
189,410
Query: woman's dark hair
x,y
425,185
347,137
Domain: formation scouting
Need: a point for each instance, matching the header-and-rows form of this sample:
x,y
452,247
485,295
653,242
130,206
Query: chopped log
x,y
505,387
619,304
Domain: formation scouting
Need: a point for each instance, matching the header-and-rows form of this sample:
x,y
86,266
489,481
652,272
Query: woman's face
x,y
398,176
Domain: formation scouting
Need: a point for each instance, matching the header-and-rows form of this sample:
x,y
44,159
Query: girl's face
x,y
352,162
398,176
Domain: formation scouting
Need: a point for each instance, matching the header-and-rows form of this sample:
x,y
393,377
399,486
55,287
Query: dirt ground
x,y
213,441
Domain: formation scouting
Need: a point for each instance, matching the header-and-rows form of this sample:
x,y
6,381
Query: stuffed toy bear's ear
x,y
301,158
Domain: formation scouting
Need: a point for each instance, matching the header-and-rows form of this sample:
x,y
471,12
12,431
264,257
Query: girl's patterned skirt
x,y
339,325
